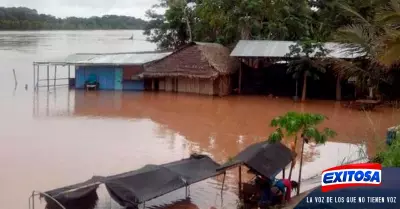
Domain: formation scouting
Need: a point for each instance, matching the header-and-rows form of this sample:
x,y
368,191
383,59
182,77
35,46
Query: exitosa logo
x,y
365,174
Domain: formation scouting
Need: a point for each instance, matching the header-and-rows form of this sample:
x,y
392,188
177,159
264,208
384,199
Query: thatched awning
x,y
194,60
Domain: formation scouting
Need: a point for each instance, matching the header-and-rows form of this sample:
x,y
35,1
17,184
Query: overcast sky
x,y
84,8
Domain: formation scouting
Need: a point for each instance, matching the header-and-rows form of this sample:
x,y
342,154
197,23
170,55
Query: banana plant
x,y
303,126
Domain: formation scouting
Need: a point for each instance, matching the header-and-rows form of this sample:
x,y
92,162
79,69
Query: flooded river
x,y
56,138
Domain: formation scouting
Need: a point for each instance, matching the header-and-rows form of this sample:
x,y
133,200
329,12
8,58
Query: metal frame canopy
x,y
139,186
93,59
265,158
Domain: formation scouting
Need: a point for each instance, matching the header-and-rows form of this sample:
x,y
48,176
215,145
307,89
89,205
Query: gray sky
x,y
84,8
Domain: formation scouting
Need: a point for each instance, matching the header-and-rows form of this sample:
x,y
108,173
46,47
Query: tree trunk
x,y
301,166
188,25
294,160
303,95
338,88
371,92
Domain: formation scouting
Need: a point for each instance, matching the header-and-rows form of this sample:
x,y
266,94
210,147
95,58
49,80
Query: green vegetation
x,y
21,18
303,124
303,66
226,22
369,28
390,156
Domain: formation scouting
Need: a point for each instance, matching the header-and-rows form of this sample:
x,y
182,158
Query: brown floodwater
x,y
52,139
110,132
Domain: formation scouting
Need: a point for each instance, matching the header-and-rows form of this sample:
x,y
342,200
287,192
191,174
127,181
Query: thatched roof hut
x,y
202,68
194,60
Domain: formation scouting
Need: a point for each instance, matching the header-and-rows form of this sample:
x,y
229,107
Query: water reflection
x,y
160,127
48,103
242,120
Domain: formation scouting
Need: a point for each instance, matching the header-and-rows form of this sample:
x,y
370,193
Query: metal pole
x,y
34,76
222,190
37,76
69,103
55,75
50,197
223,182
33,200
283,173
69,75
37,102
48,77
240,182
48,102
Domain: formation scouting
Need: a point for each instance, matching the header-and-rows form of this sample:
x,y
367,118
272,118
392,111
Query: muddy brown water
x,y
52,139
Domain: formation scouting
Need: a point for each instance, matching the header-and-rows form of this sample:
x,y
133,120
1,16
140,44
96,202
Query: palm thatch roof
x,y
194,60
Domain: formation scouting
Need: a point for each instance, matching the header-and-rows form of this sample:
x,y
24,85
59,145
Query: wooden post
x,y
15,78
338,88
301,165
240,77
283,173
240,182
48,76
55,75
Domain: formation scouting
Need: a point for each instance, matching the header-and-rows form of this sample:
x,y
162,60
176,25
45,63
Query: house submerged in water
x,y
111,71
254,66
202,68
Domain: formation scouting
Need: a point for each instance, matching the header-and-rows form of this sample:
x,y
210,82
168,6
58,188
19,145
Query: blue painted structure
x,y
109,78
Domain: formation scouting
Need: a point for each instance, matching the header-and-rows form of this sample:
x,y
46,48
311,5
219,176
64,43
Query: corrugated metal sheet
x,y
133,58
268,48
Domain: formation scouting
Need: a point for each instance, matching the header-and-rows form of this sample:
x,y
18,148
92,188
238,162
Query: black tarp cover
x,y
268,159
151,181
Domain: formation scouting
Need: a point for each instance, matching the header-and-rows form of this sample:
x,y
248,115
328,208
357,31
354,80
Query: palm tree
x,y
389,17
303,124
306,62
376,40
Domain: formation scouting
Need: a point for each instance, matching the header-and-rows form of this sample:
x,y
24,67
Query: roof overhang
x,y
280,49
107,59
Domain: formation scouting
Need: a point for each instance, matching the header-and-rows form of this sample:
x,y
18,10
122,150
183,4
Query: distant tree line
x,y
22,18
